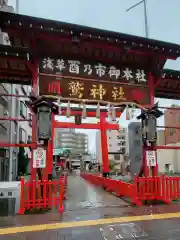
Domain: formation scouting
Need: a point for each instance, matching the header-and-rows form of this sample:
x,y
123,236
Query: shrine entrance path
x,y
91,212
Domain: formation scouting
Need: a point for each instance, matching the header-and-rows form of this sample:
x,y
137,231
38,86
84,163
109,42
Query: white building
x,y
117,144
14,131
76,142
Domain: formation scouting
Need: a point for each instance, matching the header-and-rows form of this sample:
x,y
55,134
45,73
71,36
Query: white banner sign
x,y
39,158
151,158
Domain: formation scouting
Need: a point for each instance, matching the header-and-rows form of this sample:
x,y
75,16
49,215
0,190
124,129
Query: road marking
x,y
53,226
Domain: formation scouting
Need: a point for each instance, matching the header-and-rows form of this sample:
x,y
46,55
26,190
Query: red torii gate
x,y
37,37
103,126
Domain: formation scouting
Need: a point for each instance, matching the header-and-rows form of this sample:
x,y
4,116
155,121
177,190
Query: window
x,y
123,150
4,102
23,109
30,117
24,90
117,157
172,131
17,105
121,143
3,129
121,137
122,130
29,139
22,135
14,132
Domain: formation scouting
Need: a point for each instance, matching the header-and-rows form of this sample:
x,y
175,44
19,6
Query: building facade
x,y
4,133
12,131
76,143
160,137
168,159
117,144
172,122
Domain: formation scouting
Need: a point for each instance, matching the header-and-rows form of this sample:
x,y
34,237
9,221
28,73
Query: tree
x,y
111,164
22,161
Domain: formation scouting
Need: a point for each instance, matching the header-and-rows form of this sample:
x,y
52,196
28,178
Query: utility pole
x,y
17,6
145,15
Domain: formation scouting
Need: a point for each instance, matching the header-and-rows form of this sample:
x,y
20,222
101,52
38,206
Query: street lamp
x,y
149,126
145,15
43,107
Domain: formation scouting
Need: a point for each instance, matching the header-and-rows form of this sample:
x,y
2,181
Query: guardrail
x,y
43,194
163,188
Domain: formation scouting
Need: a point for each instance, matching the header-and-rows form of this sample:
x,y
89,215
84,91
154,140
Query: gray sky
x,y
163,22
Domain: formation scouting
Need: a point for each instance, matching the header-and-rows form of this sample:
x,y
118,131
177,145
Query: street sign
x,y
39,158
151,158
58,151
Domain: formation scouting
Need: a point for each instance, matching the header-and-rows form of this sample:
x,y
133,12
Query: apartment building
x,y
25,127
172,122
168,159
76,142
4,132
117,144
13,131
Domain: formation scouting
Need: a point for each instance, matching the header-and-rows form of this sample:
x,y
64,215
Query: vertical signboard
x,y
135,147
39,158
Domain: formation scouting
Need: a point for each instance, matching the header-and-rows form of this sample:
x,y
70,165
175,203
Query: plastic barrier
x,y
42,194
161,188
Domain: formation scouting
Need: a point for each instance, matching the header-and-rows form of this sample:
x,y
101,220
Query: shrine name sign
x,y
92,90
96,71
93,81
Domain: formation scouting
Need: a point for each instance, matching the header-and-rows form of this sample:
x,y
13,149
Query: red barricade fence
x,y
162,188
43,194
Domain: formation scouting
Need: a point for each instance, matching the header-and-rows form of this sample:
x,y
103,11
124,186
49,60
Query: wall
x,y
172,119
161,137
169,156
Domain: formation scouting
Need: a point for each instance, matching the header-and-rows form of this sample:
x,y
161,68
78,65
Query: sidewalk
x,y
84,202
